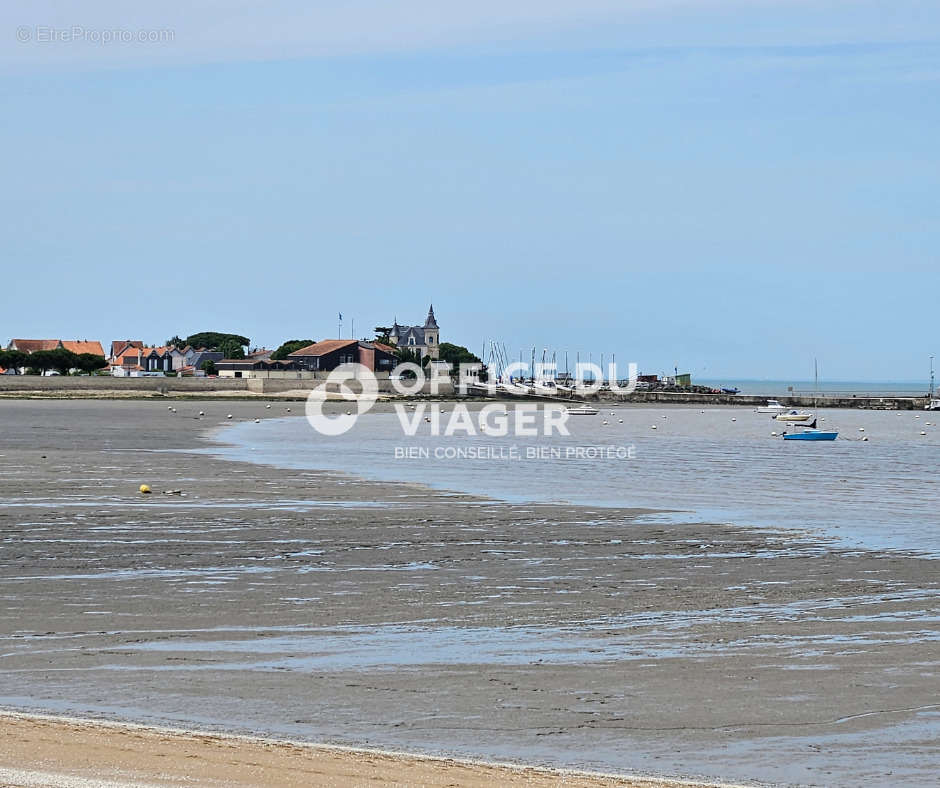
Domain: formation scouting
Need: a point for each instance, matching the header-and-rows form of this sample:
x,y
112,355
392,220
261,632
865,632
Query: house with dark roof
x,y
120,346
328,354
424,340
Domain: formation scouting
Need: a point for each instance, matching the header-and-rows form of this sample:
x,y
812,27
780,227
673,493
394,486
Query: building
x,y
75,346
32,345
327,355
259,354
83,347
424,340
258,368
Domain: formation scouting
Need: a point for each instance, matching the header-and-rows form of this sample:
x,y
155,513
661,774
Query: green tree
x,y
404,354
208,367
213,340
42,361
60,359
289,347
382,334
456,354
175,341
231,349
89,362
13,359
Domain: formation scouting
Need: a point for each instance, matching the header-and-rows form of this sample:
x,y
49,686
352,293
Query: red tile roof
x,y
32,345
118,346
323,347
83,347
386,348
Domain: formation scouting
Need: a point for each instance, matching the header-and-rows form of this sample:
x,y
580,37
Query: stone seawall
x,y
61,384
750,401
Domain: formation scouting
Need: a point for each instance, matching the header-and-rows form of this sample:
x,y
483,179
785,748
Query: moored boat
x,y
772,406
811,435
794,416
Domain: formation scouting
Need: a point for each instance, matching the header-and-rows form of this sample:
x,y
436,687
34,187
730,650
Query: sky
x,y
733,188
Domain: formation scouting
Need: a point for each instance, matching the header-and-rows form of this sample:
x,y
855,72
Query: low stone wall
x,y
750,401
102,383
278,386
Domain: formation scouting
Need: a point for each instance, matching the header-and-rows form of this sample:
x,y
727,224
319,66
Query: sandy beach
x,y
58,752
318,608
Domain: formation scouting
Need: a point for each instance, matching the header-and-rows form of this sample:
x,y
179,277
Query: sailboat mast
x,y
815,383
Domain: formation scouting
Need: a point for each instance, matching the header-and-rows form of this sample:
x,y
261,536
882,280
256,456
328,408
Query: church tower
x,y
432,334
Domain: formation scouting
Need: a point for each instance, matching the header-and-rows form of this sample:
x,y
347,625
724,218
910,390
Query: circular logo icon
x,y
336,388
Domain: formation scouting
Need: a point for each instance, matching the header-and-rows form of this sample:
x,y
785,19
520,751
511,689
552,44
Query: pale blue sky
x,y
734,186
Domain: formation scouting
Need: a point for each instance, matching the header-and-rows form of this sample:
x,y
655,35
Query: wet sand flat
x,y
312,606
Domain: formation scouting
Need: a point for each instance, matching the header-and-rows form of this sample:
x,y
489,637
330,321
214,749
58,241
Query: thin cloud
x,y
118,33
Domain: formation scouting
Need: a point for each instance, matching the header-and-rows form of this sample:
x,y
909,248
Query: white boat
x,y
794,416
934,404
772,406
583,410
516,389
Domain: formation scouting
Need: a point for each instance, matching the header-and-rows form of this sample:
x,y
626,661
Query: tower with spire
x,y
424,340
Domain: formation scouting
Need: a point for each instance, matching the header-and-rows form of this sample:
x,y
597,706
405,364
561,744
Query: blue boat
x,y
810,435
809,431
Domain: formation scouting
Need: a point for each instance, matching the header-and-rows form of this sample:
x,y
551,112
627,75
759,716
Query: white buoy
x,y
733,419
349,413
664,417
202,413
288,410
268,407
922,432
169,407
865,438
229,416
916,416
620,421
257,421
604,422
652,426
774,434
861,429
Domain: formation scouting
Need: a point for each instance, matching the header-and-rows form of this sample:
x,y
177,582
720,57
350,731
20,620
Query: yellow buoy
x,y
145,489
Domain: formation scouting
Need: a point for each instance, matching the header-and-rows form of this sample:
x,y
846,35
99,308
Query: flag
x,y
340,315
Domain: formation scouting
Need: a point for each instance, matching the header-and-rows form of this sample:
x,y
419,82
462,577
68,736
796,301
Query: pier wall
x,y
751,401
105,383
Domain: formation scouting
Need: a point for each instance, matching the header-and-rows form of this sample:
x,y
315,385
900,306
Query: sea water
x,y
716,465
